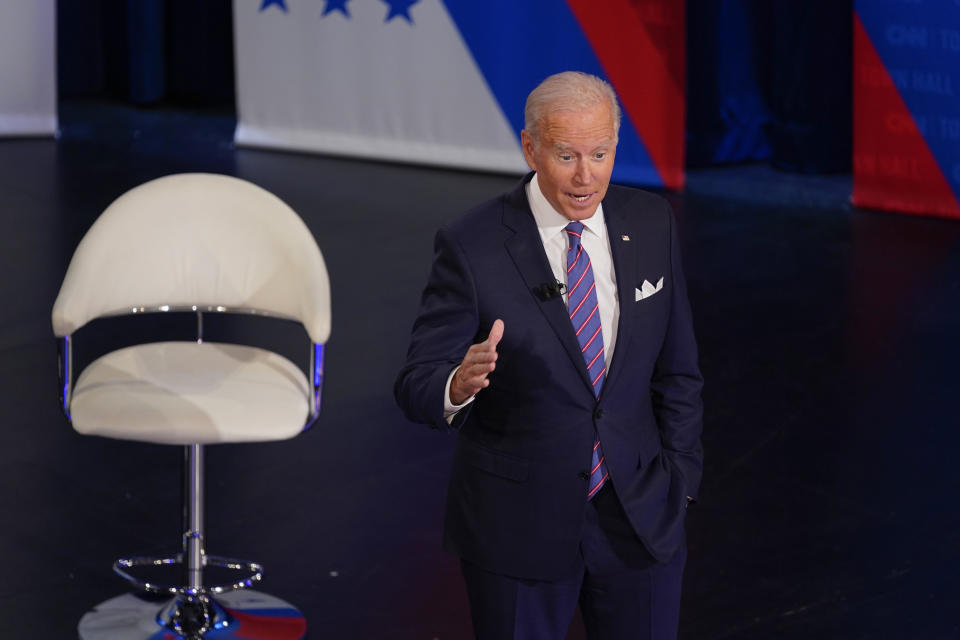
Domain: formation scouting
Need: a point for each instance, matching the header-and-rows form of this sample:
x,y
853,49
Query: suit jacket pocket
x,y
494,462
649,450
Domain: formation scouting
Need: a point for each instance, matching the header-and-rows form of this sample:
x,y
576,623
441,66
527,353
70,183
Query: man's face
x,y
573,158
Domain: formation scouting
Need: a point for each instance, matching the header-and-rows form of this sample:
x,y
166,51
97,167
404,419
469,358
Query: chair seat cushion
x,y
189,393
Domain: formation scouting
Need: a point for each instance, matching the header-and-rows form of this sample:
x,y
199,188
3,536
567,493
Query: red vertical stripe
x,y
642,47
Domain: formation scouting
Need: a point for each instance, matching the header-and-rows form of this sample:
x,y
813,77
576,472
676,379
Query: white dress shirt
x,y
596,243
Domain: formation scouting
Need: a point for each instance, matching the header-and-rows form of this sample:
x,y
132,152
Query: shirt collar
x,y
549,221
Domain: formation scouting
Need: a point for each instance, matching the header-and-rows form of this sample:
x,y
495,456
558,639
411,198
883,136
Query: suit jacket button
x,y
598,413
583,475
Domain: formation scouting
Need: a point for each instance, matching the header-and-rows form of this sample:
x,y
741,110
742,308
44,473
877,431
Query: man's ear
x,y
527,144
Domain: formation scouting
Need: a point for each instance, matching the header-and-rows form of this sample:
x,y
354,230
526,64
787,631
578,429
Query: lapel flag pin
x,y
625,238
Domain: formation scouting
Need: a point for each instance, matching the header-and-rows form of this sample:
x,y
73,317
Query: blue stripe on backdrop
x,y
920,47
518,44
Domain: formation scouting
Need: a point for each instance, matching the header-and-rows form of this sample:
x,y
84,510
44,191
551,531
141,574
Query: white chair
x,y
197,243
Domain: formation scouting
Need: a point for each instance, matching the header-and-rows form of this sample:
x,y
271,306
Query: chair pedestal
x,y
196,610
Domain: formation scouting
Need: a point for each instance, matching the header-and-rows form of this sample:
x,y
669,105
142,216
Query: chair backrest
x,y
200,240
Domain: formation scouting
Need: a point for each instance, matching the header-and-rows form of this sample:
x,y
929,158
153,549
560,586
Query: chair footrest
x,y
253,573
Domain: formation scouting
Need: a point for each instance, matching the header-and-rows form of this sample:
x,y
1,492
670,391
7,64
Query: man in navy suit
x,y
555,336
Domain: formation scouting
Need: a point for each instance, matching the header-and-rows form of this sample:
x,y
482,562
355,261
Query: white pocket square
x,y
646,289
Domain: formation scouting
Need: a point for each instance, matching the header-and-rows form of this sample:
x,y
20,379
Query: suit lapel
x,y
624,253
526,250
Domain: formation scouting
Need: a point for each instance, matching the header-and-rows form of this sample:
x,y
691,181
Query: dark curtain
x,y
146,51
726,108
770,81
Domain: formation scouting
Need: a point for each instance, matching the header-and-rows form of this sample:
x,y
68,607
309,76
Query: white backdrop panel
x,y
28,78
366,85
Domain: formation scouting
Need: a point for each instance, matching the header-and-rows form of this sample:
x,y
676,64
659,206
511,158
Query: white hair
x,y
568,91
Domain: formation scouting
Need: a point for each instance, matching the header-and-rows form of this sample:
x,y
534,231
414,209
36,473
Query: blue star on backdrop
x,y
400,8
268,3
336,5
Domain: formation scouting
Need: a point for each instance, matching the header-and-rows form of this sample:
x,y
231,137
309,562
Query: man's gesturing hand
x,y
477,364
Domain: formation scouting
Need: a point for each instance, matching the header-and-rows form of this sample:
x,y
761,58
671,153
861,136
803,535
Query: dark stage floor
x,y
829,346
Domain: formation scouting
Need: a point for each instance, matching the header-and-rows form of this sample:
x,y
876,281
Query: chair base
x,y
237,614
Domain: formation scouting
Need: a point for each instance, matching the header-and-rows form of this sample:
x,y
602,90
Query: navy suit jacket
x,y
517,492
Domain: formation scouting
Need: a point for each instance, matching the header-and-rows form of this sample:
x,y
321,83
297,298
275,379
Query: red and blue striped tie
x,y
585,316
